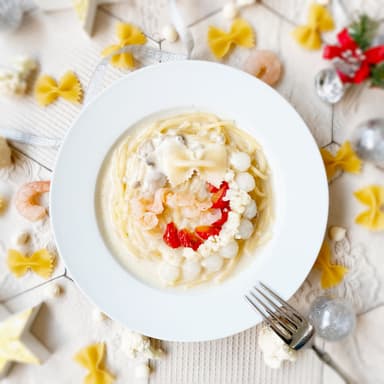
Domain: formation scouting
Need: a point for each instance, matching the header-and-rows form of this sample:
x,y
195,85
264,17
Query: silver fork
x,y
290,325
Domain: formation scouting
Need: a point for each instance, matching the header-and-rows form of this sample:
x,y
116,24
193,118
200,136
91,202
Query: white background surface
x,y
66,324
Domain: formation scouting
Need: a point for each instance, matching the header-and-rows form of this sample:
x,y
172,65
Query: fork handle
x,y
326,358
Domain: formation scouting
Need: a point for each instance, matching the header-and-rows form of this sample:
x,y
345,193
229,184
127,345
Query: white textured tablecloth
x,y
66,324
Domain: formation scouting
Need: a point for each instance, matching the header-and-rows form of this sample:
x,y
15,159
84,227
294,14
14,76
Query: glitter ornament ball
x,y
368,141
11,15
328,86
333,319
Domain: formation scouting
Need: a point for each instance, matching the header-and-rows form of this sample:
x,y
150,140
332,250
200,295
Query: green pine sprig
x,y
363,31
377,75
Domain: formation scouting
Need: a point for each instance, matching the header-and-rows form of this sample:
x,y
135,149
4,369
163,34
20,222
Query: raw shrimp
x,y
265,65
26,200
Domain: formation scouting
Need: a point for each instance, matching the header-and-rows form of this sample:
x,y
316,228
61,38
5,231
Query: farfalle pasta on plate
x,y
184,199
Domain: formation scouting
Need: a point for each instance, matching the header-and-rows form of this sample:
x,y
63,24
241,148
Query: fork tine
x,y
283,302
267,319
286,325
277,308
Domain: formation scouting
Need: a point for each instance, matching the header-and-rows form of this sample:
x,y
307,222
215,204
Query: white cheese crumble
x,y
227,233
238,199
14,81
137,346
275,351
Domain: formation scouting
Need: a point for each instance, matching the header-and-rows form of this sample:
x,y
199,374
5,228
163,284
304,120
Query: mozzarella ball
x,y
213,263
245,181
53,290
169,33
230,11
337,233
191,270
243,3
190,254
21,238
245,229
230,250
240,161
99,316
250,210
142,371
173,257
169,273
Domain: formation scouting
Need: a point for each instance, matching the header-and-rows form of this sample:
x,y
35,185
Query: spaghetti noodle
x,y
177,198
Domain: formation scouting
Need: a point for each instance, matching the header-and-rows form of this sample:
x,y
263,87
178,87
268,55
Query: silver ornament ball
x,y
11,15
328,86
378,40
368,141
333,319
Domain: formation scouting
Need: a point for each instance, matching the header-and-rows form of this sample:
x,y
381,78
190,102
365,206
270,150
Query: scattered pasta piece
x,y
169,33
92,358
5,153
47,89
319,20
331,274
240,33
373,197
345,159
127,34
40,262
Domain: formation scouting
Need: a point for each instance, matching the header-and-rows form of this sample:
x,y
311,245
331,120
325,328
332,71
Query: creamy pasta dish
x,y
185,198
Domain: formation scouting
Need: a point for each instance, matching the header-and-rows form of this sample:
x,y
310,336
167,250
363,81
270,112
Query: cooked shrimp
x,y
149,220
27,200
158,201
265,65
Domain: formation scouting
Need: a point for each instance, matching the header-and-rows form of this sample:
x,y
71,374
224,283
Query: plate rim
x,y
140,72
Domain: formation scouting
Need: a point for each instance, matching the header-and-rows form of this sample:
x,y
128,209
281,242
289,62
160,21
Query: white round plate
x,y
300,192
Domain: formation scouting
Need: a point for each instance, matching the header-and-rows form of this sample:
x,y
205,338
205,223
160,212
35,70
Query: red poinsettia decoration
x,y
354,59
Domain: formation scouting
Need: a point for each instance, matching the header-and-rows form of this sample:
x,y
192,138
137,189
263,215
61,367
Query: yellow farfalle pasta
x,y
179,163
40,262
373,197
47,90
127,34
92,359
345,159
319,20
331,274
240,33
